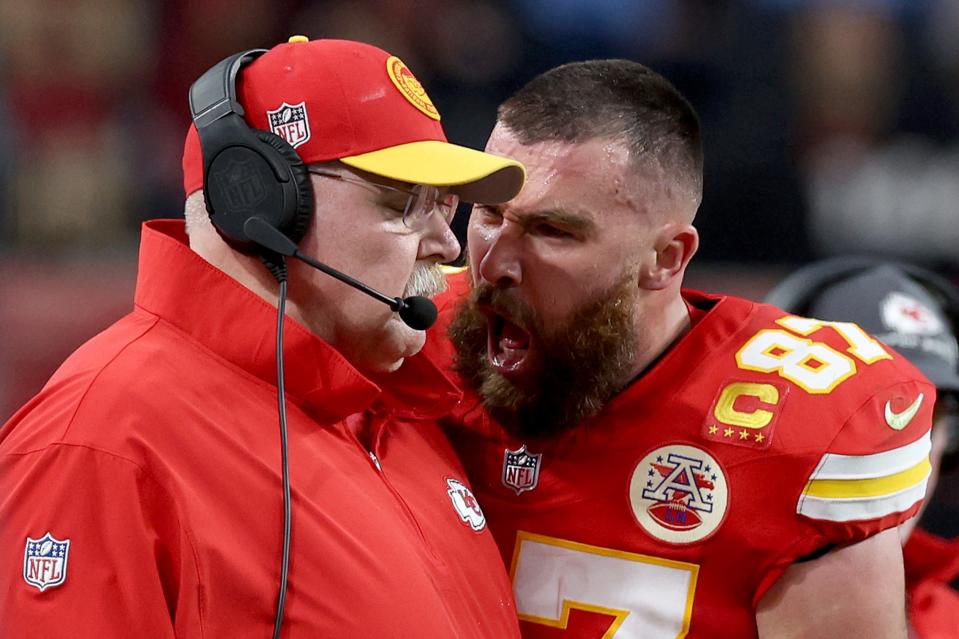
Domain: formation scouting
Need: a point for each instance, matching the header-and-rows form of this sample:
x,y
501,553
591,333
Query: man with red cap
x,y
141,490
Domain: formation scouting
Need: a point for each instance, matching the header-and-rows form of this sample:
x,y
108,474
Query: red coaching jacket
x,y
140,491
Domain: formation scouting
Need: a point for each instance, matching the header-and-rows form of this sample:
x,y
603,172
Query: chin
x,y
391,367
399,343
378,363
403,340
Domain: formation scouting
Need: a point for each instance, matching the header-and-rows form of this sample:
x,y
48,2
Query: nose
x,y
501,265
439,243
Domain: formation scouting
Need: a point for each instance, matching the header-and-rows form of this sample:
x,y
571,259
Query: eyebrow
x,y
569,219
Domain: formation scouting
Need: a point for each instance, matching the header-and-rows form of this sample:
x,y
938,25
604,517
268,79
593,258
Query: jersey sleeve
x,y
873,474
86,538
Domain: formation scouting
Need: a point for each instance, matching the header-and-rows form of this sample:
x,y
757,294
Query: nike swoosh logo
x,y
898,421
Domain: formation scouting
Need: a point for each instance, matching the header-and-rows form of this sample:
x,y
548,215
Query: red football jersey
x,y
758,439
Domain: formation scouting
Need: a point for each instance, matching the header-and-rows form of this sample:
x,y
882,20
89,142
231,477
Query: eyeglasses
x,y
422,200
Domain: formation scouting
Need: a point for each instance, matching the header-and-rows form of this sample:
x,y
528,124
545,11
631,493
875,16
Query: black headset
x,y
260,199
799,290
246,172
249,174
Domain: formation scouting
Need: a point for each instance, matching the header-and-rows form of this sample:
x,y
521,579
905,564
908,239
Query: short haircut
x,y
619,100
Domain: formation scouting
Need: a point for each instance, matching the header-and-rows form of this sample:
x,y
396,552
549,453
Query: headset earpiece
x,y
296,222
246,172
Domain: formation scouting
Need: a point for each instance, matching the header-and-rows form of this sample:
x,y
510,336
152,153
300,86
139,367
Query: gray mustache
x,y
426,280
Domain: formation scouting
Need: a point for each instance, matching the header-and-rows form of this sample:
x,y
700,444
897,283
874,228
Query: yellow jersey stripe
x,y
860,509
865,488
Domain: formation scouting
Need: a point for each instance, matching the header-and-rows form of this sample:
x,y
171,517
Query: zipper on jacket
x,y
376,461
376,425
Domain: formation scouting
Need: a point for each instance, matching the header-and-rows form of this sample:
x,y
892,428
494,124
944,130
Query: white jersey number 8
x,y
813,366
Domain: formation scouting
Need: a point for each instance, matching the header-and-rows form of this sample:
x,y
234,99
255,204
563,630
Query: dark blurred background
x,y
831,127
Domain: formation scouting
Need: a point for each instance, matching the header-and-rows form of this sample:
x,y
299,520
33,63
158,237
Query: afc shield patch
x,y
678,494
45,561
521,469
290,122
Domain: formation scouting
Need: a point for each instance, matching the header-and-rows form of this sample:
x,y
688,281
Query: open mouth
x,y
508,346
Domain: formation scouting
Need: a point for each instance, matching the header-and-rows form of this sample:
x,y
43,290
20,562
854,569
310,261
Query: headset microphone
x,y
417,312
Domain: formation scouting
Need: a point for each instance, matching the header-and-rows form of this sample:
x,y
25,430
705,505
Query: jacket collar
x,y
224,316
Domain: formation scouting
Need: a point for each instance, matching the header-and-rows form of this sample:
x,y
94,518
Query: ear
x,y
675,245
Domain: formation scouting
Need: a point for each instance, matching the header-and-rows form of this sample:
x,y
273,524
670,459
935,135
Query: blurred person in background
x,y
88,84
916,312
74,102
142,490
874,136
653,461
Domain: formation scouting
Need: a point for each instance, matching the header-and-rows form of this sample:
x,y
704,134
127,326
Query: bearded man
x,y
654,461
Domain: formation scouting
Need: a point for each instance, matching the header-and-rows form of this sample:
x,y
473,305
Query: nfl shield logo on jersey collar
x,y
521,469
45,561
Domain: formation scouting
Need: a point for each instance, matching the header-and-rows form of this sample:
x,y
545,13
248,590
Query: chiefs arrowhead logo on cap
x,y
404,80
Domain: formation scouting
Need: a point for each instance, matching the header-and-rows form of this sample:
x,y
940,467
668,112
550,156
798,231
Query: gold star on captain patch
x,y
728,432
760,437
713,429
744,434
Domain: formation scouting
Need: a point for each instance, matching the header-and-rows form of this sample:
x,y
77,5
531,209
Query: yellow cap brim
x,y
473,175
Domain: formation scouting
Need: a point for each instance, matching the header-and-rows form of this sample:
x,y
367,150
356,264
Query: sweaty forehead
x,y
593,174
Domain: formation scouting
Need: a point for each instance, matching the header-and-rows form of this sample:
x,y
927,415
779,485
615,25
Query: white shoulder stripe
x,y
841,510
833,466
859,487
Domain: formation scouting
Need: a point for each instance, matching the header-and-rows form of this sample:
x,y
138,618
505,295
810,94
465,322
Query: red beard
x,y
576,367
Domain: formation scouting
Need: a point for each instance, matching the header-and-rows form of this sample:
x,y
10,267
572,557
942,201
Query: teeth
x,y
509,359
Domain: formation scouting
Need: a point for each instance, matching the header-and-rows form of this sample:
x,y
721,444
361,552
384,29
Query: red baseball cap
x,y
352,102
